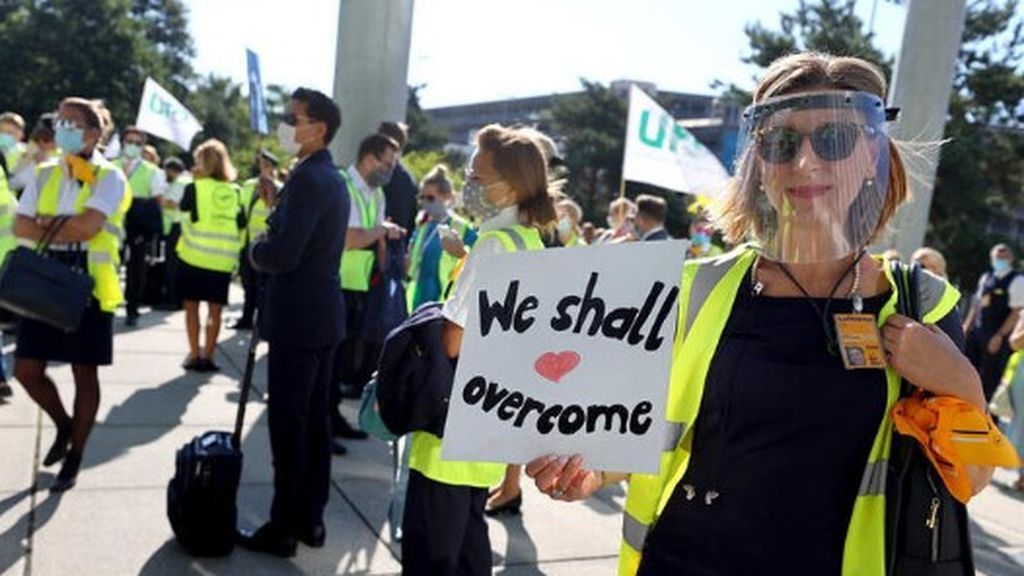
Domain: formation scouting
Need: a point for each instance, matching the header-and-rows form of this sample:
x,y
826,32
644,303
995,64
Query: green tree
x,y
92,48
423,136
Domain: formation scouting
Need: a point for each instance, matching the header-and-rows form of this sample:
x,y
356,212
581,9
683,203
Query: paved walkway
x,y
114,522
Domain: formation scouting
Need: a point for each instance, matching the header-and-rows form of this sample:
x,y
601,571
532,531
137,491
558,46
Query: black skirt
x,y
92,344
202,285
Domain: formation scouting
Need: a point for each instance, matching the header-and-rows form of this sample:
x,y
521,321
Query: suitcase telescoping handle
x,y
250,364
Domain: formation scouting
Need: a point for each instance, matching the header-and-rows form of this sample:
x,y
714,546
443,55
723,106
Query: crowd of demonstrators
x,y
257,210
746,466
144,222
40,149
213,218
994,310
569,216
621,213
12,147
8,206
94,196
303,321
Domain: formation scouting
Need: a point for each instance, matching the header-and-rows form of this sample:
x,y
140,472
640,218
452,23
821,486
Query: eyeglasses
x,y
831,142
65,124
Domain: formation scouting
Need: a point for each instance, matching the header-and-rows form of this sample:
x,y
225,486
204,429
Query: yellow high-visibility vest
x,y
214,241
357,264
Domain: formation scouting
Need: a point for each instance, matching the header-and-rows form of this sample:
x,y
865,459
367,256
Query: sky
x,y
465,51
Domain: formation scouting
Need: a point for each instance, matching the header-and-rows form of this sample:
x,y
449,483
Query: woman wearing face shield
x,y
507,190
440,240
783,428
92,192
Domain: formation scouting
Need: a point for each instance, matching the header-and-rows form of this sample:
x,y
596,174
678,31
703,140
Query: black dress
x,y
782,437
92,344
200,284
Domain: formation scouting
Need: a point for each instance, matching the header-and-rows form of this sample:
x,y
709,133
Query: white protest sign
x,y
567,351
662,152
160,114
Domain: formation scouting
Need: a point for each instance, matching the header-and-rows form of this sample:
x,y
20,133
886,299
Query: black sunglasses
x,y
832,141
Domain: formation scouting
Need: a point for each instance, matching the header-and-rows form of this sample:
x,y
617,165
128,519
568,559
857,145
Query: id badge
x,y
860,343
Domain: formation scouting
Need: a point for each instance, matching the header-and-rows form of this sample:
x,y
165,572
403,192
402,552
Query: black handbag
x,y
927,530
37,287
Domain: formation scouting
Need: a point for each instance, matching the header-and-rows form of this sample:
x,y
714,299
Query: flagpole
x,y
622,188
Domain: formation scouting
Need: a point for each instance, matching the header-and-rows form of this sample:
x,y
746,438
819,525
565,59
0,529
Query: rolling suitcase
x,y
201,497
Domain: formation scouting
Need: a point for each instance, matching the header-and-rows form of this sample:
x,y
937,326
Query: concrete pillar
x,y
921,87
371,69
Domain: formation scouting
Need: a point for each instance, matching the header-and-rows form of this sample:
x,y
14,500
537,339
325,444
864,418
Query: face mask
x,y
286,138
131,151
70,140
435,210
700,239
379,177
474,198
7,141
1000,266
564,226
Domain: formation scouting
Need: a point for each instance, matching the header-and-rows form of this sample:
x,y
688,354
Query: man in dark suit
x,y
303,320
651,212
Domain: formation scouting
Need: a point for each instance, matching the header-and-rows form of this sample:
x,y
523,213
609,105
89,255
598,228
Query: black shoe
x,y
337,448
340,428
65,479
193,363
314,537
266,540
5,389
207,365
242,324
510,508
60,446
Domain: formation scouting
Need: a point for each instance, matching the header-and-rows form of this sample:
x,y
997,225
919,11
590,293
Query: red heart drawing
x,y
554,366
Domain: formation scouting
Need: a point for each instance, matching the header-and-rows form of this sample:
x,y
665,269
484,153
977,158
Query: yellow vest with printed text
x,y
214,241
708,291
103,256
425,455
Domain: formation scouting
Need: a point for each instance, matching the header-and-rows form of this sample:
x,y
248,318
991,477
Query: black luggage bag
x,y
201,498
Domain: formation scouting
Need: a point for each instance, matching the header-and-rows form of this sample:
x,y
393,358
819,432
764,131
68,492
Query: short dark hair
x,y
652,207
174,163
134,130
320,108
376,144
397,131
43,130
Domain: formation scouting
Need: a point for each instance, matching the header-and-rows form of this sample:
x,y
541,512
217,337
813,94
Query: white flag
x,y
160,114
660,151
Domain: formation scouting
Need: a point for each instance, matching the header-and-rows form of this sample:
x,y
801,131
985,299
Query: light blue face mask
x,y
131,151
69,139
7,141
1000,266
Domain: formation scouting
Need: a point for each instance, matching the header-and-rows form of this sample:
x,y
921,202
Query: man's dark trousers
x,y
444,532
300,435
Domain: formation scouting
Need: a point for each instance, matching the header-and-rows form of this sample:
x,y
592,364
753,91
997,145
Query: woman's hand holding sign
x,y
563,477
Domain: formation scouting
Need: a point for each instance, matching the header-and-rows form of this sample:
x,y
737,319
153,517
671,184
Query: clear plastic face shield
x,y
813,171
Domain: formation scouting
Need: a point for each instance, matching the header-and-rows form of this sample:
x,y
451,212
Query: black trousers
x,y
143,225
171,270
444,532
990,366
252,283
300,435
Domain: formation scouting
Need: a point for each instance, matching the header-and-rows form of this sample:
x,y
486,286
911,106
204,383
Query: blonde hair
x,y
938,261
571,207
622,205
520,163
13,118
213,161
438,177
737,215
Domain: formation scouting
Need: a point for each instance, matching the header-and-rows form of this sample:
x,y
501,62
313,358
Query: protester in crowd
x,y
400,190
12,134
8,206
770,405
621,213
94,195
931,260
701,234
150,154
41,148
364,246
303,320
211,237
994,310
144,222
651,212
441,239
506,189
569,216
257,211
177,177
